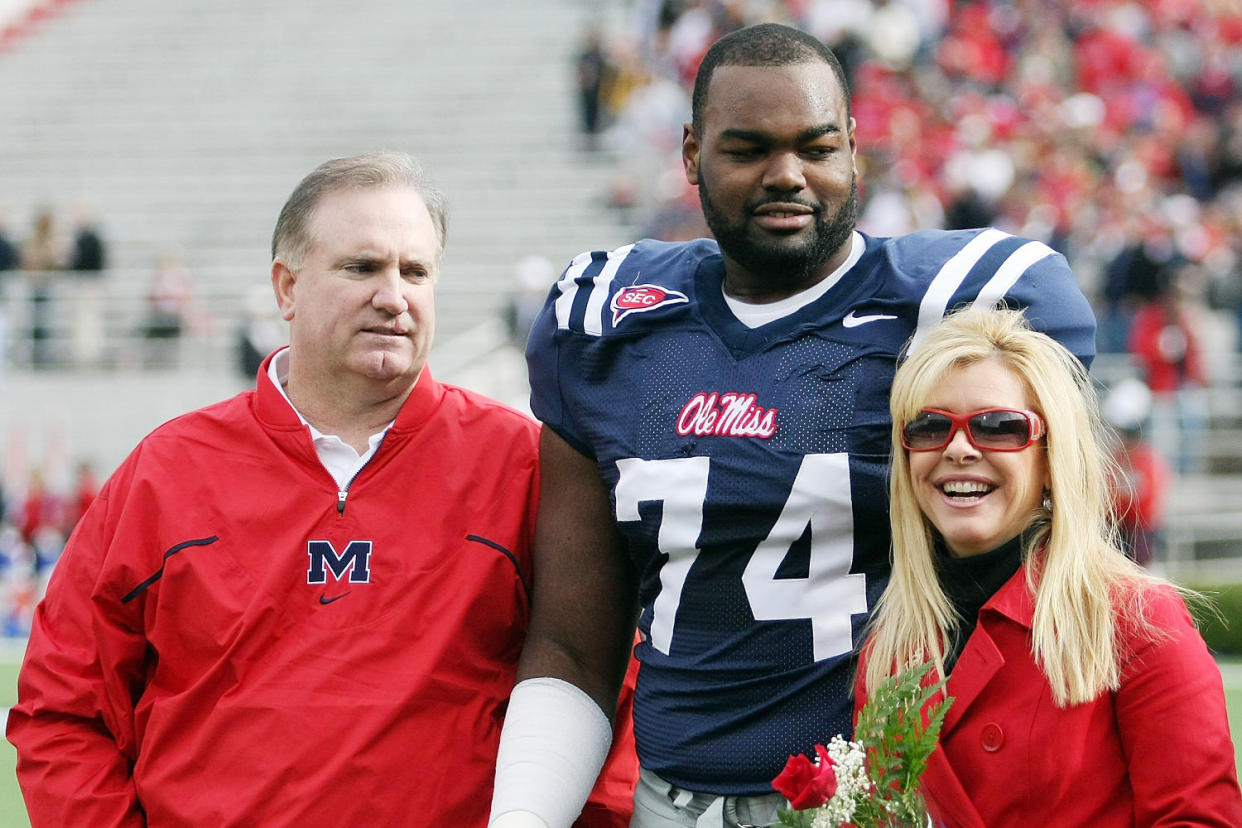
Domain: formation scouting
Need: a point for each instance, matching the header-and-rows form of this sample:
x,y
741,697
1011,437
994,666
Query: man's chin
x,y
788,254
386,366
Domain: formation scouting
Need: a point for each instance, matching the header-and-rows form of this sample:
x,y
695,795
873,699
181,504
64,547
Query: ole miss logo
x,y
640,298
712,414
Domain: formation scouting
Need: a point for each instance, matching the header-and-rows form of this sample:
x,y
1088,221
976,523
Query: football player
x,y
716,434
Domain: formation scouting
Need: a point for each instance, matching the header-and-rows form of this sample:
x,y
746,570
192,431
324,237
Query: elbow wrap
x,y
553,744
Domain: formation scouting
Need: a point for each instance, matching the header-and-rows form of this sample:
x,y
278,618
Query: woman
x,y
1082,693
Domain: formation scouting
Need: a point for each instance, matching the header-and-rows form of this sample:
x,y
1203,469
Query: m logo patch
x,y
355,560
640,298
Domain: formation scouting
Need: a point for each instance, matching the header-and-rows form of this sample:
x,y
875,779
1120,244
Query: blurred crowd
x,y
1110,129
37,513
41,255
56,292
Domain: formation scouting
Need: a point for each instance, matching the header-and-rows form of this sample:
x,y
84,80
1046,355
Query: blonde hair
x,y
1084,585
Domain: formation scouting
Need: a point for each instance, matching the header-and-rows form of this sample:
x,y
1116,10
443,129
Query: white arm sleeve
x,y
553,744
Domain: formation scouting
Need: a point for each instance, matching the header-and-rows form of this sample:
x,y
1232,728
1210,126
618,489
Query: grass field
x,y
13,812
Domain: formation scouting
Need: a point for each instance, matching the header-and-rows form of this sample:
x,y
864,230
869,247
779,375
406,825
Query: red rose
x,y
807,784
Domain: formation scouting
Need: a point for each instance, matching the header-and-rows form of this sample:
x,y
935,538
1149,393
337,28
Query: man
x,y
302,606
714,451
88,257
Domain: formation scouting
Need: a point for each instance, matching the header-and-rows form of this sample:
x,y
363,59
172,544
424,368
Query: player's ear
x,y
283,279
690,153
853,144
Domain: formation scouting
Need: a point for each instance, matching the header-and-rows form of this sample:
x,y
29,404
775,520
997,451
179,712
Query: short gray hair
x,y
374,170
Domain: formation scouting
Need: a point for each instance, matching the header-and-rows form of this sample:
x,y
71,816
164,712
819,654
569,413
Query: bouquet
x,y
872,781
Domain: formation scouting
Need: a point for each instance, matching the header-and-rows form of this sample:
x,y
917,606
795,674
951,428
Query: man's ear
x,y
853,144
690,153
283,280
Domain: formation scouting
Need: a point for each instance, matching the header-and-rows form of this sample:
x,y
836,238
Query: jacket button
x,y
992,737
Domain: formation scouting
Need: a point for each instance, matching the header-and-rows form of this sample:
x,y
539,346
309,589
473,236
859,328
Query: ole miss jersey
x,y
748,470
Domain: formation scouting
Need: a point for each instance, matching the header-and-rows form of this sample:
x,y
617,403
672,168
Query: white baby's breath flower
x,y
824,819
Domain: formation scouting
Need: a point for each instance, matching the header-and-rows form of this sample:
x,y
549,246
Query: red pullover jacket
x,y
230,641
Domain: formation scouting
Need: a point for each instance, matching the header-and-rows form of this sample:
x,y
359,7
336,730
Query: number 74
x,y
819,500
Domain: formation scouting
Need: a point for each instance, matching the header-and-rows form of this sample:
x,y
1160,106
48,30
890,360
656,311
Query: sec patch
x,y
642,298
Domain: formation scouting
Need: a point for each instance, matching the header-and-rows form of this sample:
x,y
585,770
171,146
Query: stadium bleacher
x,y
187,124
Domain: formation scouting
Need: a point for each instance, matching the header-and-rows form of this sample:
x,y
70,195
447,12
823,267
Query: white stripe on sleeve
x,y
569,289
596,304
1009,272
949,279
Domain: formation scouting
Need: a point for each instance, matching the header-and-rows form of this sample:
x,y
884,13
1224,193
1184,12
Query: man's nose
x,y
388,294
784,172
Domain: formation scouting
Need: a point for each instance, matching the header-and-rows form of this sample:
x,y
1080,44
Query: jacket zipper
x,y
344,493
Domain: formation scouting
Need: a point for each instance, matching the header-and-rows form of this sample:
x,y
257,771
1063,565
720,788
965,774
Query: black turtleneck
x,y
969,582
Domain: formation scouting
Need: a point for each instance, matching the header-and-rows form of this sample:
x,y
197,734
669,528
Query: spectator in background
x,y
10,258
19,583
1223,261
261,331
10,255
170,302
87,261
533,277
1165,345
85,490
44,249
89,256
42,254
1141,475
43,520
591,66
1132,278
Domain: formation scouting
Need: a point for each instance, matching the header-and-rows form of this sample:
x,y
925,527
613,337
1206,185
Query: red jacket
x,y
1141,488
227,642
1166,348
1157,752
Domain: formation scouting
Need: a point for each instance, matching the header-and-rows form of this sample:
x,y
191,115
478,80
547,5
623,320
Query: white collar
x,y
754,315
340,458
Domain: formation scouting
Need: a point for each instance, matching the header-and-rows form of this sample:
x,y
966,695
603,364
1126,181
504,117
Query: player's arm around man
x,y
576,650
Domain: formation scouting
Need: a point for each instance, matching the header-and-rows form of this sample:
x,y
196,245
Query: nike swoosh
x,y
852,320
323,599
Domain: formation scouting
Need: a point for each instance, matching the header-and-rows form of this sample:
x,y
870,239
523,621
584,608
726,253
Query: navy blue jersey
x,y
748,470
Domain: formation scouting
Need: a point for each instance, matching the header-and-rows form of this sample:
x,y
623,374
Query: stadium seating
x,y
187,124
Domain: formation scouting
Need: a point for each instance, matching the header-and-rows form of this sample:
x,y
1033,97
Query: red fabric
x,y
971,48
42,509
612,802
1155,753
84,493
212,684
1140,495
1106,60
1166,348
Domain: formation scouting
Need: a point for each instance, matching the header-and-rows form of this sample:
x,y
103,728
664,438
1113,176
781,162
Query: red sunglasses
x,y
992,429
